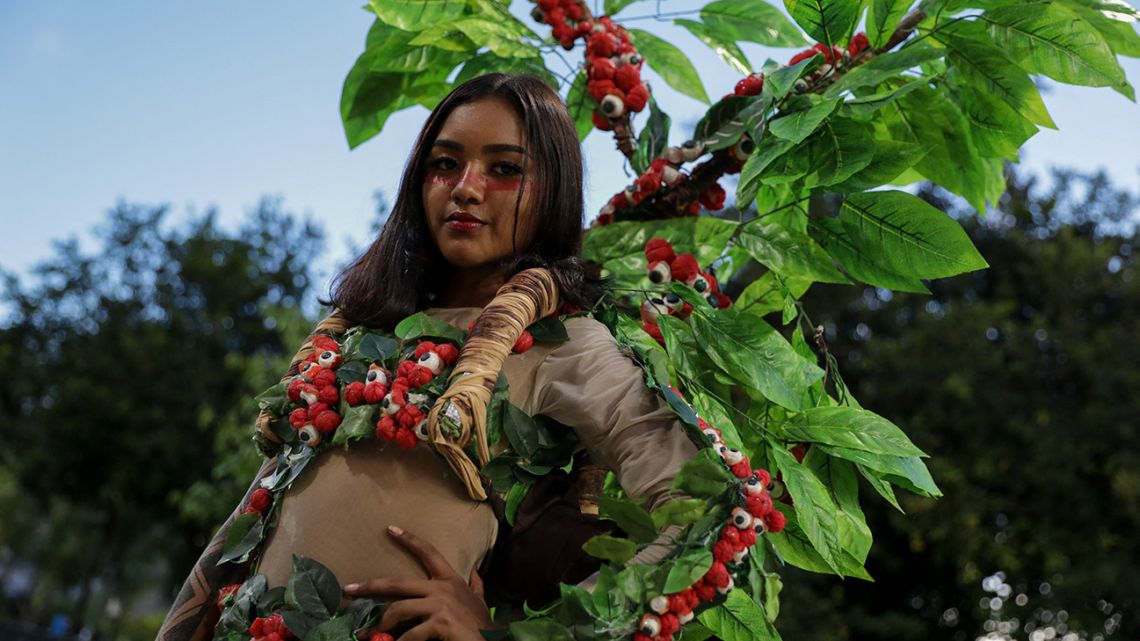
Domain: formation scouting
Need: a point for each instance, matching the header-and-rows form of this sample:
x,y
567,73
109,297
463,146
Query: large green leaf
x,y
1113,22
488,62
891,159
766,294
670,63
814,506
421,324
705,475
416,15
911,236
739,618
996,129
798,125
751,21
905,471
581,105
312,588
863,263
539,630
838,476
751,351
828,21
987,68
614,6
723,124
1053,40
879,68
497,36
795,549
882,18
687,569
631,518
725,48
849,427
836,151
653,139
791,253
245,533
610,548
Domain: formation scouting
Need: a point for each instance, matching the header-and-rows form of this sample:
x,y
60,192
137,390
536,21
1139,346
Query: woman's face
x,y
474,172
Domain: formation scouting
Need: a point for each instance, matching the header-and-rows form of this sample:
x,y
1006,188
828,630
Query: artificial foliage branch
x,y
944,91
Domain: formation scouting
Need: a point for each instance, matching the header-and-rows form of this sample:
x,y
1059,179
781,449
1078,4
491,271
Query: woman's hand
x,y
448,607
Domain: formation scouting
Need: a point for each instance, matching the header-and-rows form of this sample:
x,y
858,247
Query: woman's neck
x,y
471,287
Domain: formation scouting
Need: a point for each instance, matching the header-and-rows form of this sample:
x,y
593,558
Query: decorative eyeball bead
x,y
630,192
659,272
753,487
777,490
650,625
388,406
421,430
670,175
758,526
328,359
432,361
692,150
711,434
309,435
376,375
711,298
675,155
743,148
598,27
725,589
741,518
823,70
673,302
309,394
612,106
608,210
657,307
800,86
631,59
739,555
700,283
686,617
538,15
733,456
659,604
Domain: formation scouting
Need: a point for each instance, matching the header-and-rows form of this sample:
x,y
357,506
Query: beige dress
x,y
338,510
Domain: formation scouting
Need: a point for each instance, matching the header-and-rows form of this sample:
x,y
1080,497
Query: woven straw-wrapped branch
x,y
459,416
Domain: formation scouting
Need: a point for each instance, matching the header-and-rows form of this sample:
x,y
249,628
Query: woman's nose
x,y
470,186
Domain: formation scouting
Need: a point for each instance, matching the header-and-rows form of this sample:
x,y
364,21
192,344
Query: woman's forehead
x,y
488,124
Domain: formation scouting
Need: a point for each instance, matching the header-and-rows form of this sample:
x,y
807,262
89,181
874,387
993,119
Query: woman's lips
x,y
463,225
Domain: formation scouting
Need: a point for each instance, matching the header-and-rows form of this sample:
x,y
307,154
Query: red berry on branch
x,y
328,421
259,502
601,69
386,429
858,43
354,393
298,418
600,45
373,393
637,98
328,395
601,122
627,77
524,342
775,521
599,89
406,438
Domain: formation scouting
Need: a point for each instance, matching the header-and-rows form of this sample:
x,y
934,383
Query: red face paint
x,y
450,179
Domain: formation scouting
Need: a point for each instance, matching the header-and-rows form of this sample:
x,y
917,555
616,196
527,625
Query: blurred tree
x,y
127,403
1020,382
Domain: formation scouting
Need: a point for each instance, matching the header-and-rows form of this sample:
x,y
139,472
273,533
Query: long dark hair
x,y
403,270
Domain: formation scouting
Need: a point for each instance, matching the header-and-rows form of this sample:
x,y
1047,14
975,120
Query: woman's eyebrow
x,y
487,149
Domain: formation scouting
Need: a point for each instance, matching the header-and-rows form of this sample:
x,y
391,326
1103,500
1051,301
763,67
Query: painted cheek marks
x,y
441,179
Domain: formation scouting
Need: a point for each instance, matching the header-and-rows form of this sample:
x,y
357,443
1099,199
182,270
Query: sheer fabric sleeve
x,y
589,384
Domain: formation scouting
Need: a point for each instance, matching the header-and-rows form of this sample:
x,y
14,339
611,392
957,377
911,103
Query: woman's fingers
x,y
389,587
436,566
422,632
398,611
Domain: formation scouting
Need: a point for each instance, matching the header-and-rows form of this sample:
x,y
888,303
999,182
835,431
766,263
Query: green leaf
x,y
377,348
631,518
1113,22
838,149
620,247
420,324
1052,40
724,47
357,424
794,548
416,15
849,427
497,36
715,414
687,569
739,618
723,124
705,475
274,400
883,17
788,252
879,485
653,139
679,512
865,106
780,82
772,587
489,62
335,629
581,105
539,630
312,588
813,505
988,69
908,472
526,435
879,68
245,533
670,63
751,21
369,97
515,498
614,6
798,125
751,351
838,476
891,159
766,294
828,21
910,236
861,262
610,548
996,129
548,330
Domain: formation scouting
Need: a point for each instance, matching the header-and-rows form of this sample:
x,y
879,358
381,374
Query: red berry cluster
x,y
750,85
663,172
567,19
833,57
754,516
226,595
270,629
259,502
664,266
403,417
315,390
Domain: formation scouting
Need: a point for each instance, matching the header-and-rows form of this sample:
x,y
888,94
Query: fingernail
x,y
395,530
352,587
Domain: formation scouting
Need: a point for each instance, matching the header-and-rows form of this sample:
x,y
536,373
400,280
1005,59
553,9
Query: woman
x,y
493,185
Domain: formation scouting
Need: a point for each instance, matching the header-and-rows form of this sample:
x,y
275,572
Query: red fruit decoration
x,y
524,342
226,595
259,502
315,391
270,629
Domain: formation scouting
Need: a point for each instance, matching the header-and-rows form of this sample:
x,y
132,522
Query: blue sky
x,y
211,103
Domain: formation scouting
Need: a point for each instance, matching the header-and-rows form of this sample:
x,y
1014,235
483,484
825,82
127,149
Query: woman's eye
x,y
508,169
442,163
